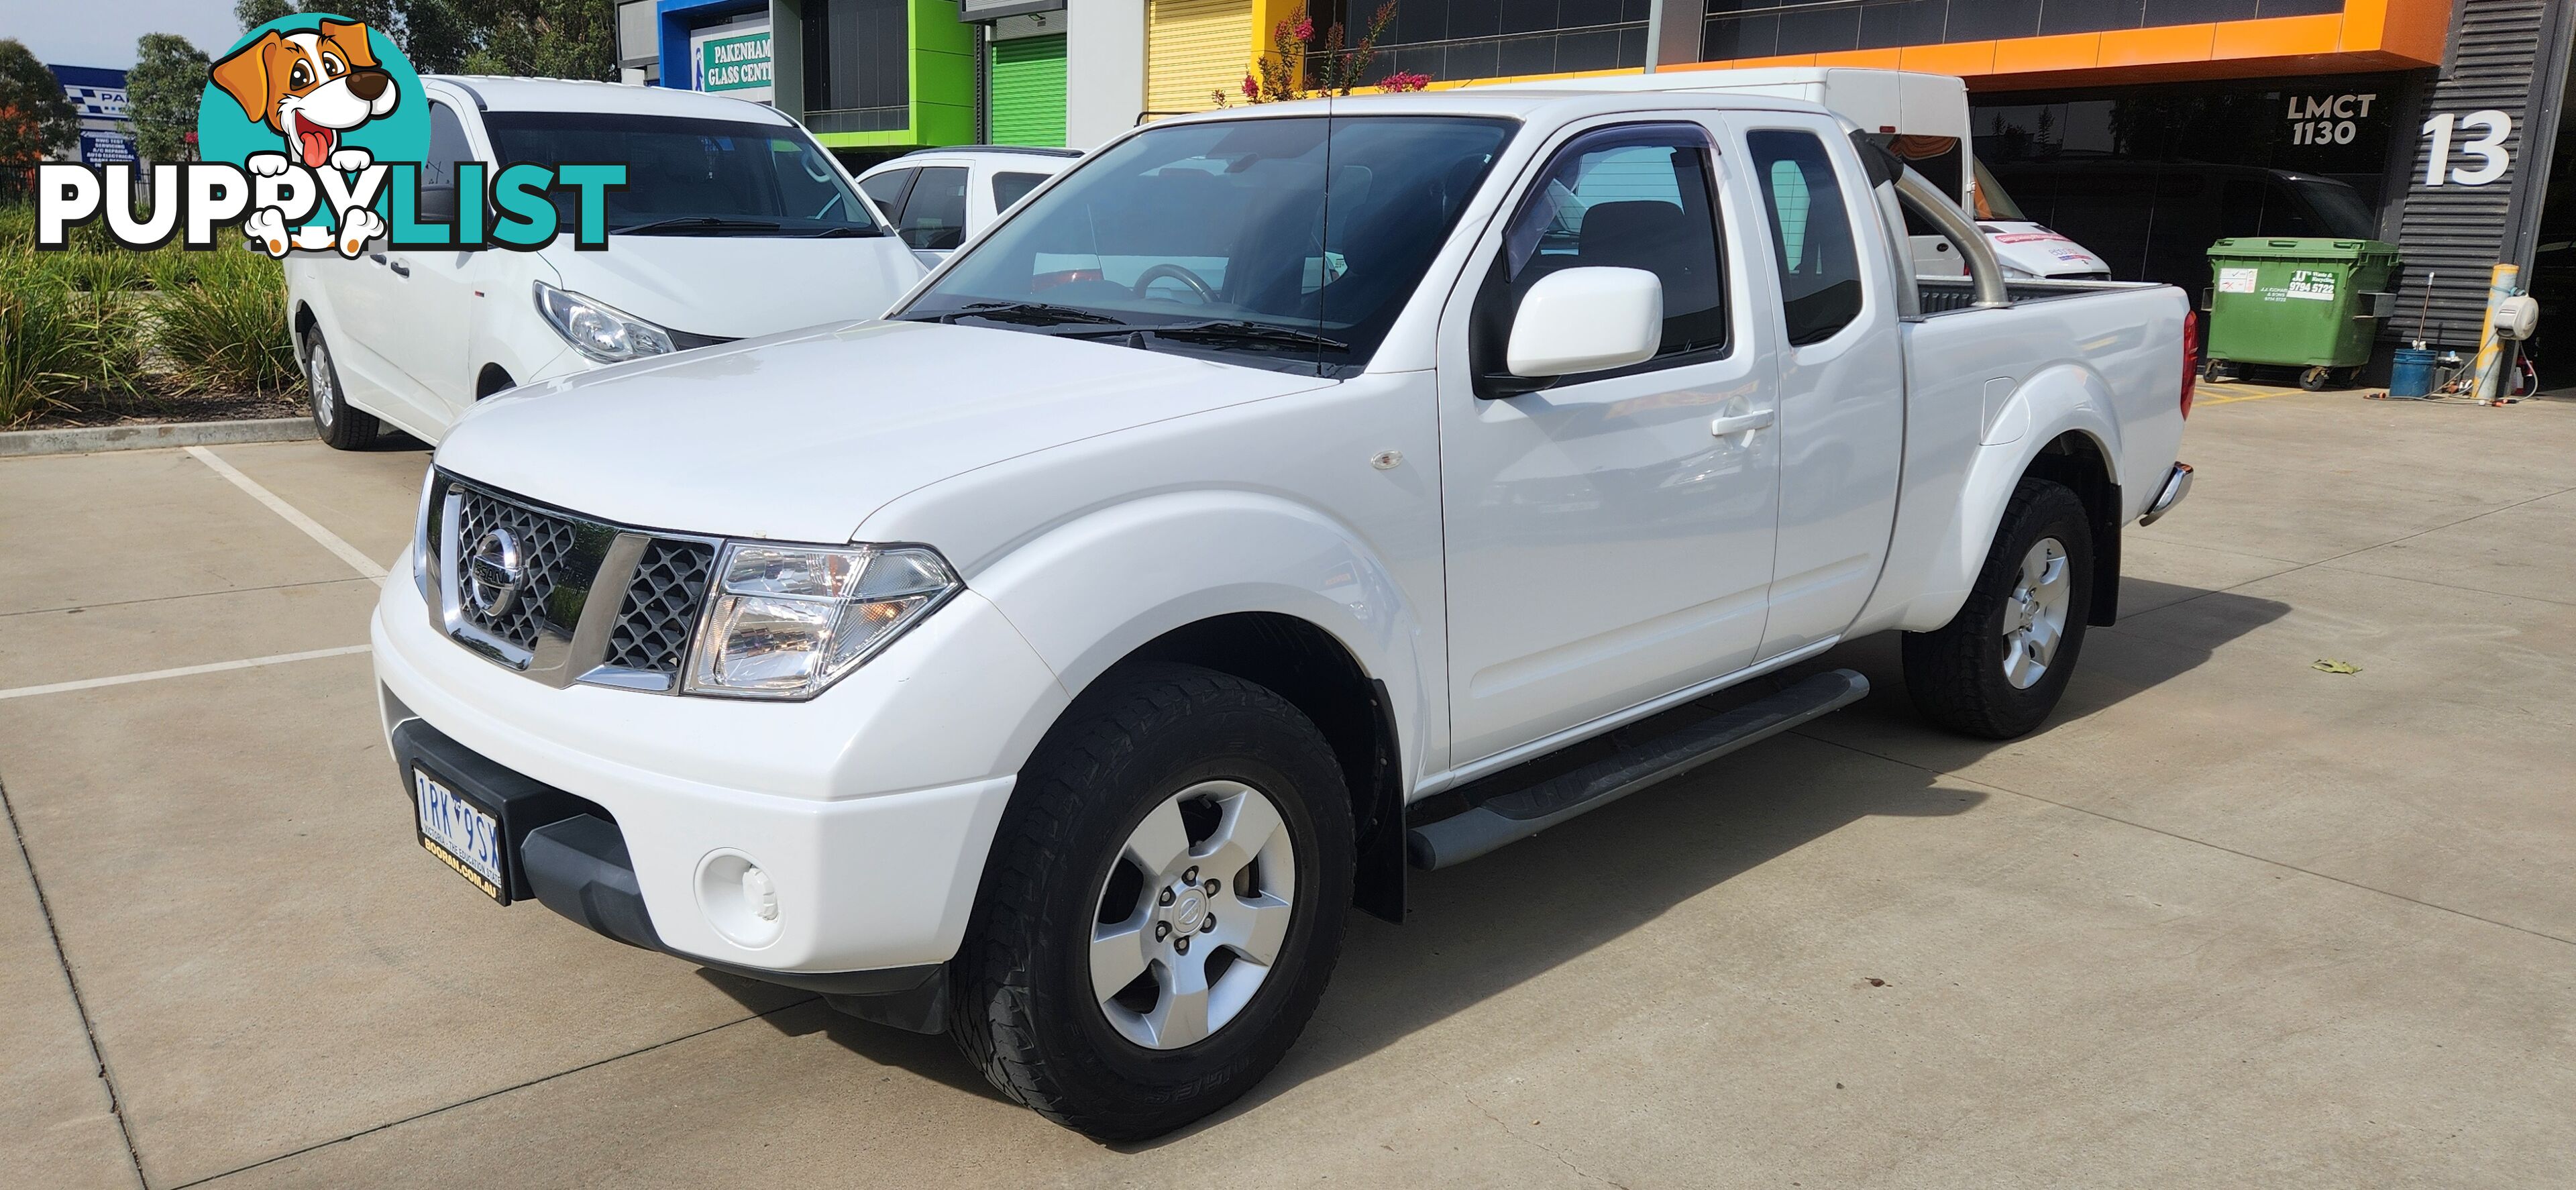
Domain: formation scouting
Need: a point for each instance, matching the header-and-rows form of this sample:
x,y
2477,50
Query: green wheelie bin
x,y
2312,303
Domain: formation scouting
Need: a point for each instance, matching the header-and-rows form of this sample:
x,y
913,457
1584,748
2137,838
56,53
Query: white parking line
x,y
181,672
330,541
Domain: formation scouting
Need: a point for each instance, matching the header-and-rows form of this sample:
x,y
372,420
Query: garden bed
x,y
102,335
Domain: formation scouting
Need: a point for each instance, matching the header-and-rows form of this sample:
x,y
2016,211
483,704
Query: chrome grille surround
x,y
559,597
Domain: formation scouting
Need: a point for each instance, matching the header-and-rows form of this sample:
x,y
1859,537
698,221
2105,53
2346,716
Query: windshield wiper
x,y
1241,332
852,230
1033,313
695,223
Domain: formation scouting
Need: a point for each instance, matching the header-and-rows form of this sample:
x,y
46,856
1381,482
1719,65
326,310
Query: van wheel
x,y
1998,667
334,422
1162,908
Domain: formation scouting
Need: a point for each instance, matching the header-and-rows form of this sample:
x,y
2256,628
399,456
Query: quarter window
x,y
1811,237
1635,197
447,146
886,190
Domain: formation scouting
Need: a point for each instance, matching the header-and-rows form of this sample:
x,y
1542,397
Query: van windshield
x,y
692,177
1288,243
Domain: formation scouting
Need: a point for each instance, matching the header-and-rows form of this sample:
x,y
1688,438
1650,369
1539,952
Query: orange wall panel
x,y
2278,37
2073,51
1962,58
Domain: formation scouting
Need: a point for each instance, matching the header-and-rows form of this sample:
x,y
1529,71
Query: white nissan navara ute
x,y
1277,499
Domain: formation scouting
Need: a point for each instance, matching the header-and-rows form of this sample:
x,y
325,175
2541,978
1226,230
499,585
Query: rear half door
x,y
1841,374
1608,536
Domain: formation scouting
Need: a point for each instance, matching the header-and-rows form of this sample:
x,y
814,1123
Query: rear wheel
x,y
1162,908
334,422
1999,666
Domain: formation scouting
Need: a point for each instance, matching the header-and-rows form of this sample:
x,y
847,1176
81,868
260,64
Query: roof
x,y
1024,150
501,93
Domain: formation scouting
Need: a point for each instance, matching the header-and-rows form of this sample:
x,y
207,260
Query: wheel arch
x,y
1248,584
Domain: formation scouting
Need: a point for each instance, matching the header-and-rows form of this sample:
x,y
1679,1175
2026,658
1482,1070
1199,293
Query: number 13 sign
x,y
2488,148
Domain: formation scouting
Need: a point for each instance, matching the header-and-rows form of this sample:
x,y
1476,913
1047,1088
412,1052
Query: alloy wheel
x,y
1193,914
2035,615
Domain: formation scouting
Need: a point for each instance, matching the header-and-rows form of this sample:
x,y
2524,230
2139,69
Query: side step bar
x,y
1513,814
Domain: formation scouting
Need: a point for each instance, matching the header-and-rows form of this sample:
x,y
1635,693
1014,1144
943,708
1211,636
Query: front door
x,y
438,289
1609,536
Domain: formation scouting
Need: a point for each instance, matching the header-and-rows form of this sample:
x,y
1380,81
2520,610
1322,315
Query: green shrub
x,y
98,272
227,329
58,343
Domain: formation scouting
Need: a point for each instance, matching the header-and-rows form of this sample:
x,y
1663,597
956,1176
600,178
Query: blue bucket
x,y
2412,377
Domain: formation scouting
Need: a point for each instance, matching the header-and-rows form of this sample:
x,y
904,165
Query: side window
x,y
1811,237
1635,197
934,214
447,146
886,190
1012,187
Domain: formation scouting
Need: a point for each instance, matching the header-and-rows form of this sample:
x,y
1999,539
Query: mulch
x,y
157,409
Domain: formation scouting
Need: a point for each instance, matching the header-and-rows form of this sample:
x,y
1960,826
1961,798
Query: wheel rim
x,y
1193,914
2035,615
318,383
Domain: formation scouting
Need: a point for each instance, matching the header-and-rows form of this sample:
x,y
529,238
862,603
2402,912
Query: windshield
x,y
692,177
1290,243
2338,206
1993,201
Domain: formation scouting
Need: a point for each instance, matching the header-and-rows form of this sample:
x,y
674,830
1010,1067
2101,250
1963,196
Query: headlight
x,y
598,330
788,621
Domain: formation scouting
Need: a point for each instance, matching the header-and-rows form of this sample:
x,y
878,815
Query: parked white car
x,y
734,223
1225,528
937,199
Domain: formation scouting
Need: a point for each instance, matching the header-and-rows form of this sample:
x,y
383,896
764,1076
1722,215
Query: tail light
x,y
2190,357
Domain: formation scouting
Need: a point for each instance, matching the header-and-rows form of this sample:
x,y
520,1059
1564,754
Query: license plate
x,y
460,834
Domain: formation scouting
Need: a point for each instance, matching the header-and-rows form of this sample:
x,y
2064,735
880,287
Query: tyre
x,y
1998,667
334,422
2316,379
1162,908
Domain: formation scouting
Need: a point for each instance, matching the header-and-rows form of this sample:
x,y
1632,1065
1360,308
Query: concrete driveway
x,y
2229,920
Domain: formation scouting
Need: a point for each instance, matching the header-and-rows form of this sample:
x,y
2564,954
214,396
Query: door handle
x,y
400,269
377,257
1740,423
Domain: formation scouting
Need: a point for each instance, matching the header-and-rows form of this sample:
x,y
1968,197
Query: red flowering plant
x,y
1301,63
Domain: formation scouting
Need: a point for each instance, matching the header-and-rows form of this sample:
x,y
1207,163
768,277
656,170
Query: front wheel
x,y
1162,908
334,422
1999,666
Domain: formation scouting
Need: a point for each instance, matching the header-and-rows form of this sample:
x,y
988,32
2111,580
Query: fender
x,y
1176,558
1954,516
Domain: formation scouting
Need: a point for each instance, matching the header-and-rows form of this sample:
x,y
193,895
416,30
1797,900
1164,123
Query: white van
x,y
1924,119
733,223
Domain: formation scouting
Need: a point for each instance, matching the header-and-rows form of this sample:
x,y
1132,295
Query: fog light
x,y
740,899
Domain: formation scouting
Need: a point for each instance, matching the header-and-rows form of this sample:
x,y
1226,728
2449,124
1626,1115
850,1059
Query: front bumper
x,y
2176,486
871,807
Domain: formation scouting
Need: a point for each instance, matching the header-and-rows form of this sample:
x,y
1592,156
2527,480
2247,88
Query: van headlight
x,y
599,330
788,621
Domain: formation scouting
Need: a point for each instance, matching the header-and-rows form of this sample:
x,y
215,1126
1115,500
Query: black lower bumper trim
x,y
568,855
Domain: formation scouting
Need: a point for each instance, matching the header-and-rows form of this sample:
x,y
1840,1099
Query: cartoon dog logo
x,y
311,88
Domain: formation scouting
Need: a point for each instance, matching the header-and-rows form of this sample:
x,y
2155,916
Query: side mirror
x,y
437,205
1587,320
